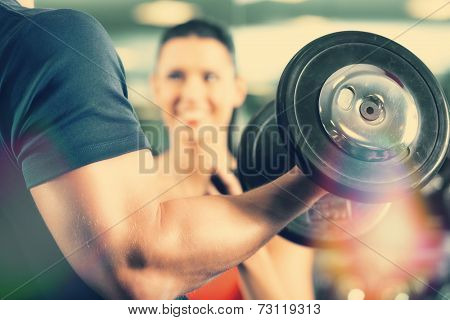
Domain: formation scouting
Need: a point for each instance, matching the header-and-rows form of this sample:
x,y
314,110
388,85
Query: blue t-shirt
x,y
63,105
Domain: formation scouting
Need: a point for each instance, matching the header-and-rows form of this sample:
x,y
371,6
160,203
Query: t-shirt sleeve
x,y
74,110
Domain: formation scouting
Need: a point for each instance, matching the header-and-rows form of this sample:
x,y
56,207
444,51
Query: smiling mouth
x,y
192,123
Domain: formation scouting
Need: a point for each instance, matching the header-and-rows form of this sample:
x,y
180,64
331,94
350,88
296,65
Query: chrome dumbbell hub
x,y
368,113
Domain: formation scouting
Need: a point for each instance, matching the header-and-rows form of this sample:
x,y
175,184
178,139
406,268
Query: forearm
x,y
279,270
259,278
203,236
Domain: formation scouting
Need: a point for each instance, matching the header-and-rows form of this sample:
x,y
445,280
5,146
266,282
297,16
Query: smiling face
x,y
196,84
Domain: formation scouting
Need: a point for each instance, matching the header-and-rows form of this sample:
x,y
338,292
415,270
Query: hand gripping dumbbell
x,y
363,117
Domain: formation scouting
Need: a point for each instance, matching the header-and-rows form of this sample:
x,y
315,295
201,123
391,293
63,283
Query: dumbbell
x,y
363,117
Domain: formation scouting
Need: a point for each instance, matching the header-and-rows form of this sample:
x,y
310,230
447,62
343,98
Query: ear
x,y
240,91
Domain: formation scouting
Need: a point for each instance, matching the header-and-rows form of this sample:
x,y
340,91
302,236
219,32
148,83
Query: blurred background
x,y
408,255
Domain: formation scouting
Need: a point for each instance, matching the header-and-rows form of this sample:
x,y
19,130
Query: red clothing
x,y
224,287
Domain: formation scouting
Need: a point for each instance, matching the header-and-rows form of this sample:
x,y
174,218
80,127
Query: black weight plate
x,y
338,172
263,157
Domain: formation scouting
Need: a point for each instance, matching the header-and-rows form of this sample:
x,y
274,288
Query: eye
x,y
176,75
210,76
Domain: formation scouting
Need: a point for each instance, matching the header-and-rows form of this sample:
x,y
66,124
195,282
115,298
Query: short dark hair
x,y
201,29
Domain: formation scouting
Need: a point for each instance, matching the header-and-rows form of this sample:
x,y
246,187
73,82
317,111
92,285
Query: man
x,y
195,79
70,136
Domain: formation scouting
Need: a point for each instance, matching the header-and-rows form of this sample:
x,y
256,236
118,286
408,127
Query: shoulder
x,y
64,21
70,44
51,31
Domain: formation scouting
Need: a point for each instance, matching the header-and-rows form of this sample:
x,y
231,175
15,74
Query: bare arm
x,y
145,249
279,270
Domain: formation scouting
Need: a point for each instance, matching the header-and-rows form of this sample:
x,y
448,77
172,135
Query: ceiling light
x,y
164,13
289,1
254,1
429,10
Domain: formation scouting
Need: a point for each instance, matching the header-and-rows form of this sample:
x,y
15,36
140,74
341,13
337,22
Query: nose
x,y
193,91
